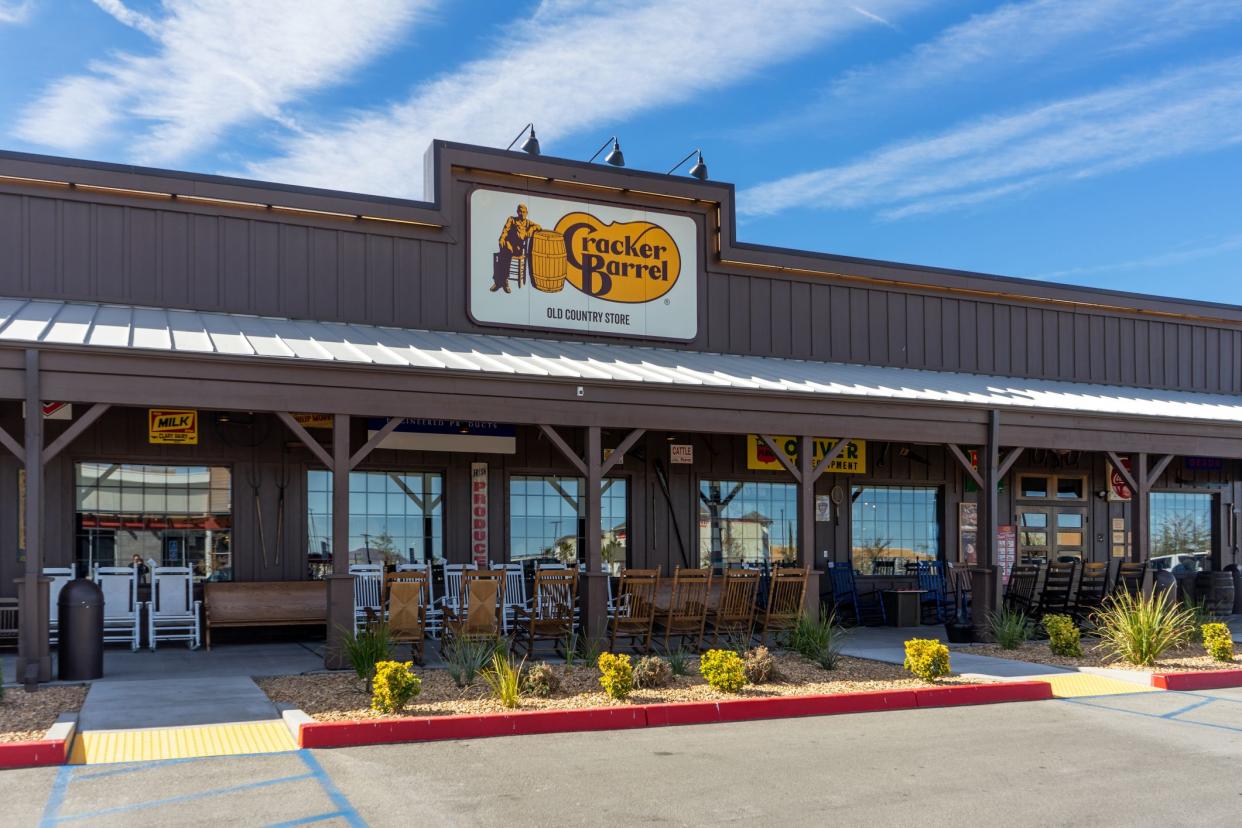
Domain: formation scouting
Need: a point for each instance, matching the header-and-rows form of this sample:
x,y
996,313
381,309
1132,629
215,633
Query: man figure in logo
x,y
518,229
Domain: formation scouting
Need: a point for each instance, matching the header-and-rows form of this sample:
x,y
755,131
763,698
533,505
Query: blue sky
x,y
1097,142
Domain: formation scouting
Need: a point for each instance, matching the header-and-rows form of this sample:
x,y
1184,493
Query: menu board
x,y
1006,549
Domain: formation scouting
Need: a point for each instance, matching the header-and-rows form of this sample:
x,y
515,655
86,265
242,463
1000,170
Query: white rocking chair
x,y
172,612
368,591
60,576
122,610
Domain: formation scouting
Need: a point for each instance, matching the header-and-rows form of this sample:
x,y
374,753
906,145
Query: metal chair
x,y
635,610
60,576
368,590
122,610
864,605
172,612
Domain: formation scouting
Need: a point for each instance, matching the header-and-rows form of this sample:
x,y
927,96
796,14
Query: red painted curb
x,y
33,754
1010,691
1205,680
435,728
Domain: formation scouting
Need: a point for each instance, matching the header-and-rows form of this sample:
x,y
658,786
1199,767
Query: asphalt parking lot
x,y
1140,759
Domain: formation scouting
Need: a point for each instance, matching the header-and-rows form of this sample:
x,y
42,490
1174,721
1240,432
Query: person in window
x,y
140,565
518,229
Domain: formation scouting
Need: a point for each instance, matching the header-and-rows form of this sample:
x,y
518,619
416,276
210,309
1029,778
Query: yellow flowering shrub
x,y
724,670
927,658
1218,641
1063,636
616,675
394,685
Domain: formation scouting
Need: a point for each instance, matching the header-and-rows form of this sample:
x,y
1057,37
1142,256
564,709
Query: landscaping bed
x,y
26,717
328,697
1188,659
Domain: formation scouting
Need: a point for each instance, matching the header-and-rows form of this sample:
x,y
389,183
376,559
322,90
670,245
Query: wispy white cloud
x,y
870,15
216,64
1011,37
1191,110
568,67
15,11
1181,255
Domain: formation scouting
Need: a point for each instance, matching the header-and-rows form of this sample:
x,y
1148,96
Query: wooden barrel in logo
x,y
547,261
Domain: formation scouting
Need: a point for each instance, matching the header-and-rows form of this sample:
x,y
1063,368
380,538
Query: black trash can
x,y
80,653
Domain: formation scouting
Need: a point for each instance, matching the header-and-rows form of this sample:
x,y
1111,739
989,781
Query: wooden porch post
x,y
594,589
34,662
806,521
340,583
1140,510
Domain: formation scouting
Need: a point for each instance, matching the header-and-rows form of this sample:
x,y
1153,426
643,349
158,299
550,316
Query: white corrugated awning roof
x,y
237,335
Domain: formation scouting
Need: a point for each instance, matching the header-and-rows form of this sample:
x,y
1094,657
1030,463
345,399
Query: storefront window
x,y
394,517
1181,531
747,522
894,523
547,519
172,515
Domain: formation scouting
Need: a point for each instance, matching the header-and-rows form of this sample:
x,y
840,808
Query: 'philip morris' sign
x,y
540,262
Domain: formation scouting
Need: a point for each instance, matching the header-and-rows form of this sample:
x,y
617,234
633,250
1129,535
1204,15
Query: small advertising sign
x,y
681,455
54,410
416,434
584,267
314,420
172,426
759,457
823,508
478,514
1118,489
1006,549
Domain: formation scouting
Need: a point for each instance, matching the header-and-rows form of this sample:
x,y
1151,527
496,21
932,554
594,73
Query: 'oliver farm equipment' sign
x,y
538,262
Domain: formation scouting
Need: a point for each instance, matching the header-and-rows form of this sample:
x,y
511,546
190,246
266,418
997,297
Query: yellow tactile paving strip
x,y
105,746
1075,685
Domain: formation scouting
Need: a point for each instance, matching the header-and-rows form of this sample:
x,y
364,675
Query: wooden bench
x,y
264,604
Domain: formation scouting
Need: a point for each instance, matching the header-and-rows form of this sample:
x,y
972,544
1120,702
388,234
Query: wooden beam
x,y
569,453
340,492
311,443
1125,473
965,463
1158,469
12,445
377,438
781,457
74,431
828,459
618,454
1008,461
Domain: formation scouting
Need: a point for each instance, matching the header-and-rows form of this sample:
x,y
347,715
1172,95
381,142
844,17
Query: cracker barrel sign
x,y
172,426
550,263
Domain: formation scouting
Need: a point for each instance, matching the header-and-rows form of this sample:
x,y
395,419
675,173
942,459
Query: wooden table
x,y
903,607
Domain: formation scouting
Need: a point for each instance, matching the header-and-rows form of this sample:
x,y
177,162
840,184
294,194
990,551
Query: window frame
x,y
506,551
941,490
775,478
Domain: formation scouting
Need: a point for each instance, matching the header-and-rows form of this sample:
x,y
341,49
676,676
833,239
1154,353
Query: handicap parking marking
x,y
1195,709
339,808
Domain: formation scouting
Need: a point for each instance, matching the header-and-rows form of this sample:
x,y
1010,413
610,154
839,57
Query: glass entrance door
x,y
1051,533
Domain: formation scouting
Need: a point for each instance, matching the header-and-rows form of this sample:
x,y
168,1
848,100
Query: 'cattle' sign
x,y
172,426
539,262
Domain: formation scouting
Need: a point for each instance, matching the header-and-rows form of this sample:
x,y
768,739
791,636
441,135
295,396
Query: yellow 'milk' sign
x,y
172,426
852,461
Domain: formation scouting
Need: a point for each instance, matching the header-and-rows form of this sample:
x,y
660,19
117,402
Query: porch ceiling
x,y
136,331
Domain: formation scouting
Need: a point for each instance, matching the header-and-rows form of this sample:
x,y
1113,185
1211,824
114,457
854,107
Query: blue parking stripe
x,y
310,820
57,796
172,800
1158,716
329,787
1192,706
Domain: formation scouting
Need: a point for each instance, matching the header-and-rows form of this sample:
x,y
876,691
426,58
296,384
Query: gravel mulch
x,y
25,717
1188,659
330,697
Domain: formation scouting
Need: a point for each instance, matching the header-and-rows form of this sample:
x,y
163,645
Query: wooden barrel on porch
x,y
547,261
1215,591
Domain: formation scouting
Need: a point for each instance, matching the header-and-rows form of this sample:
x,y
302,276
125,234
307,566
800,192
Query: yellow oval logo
x,y
634,261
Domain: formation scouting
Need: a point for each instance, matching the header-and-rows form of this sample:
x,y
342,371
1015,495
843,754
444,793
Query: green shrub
x,y
580,648
927,658
760,666
1139,629
394,685
466,657
1199,615
365,649
818,639
1063,636
616,675
1218,641
678,661
652,671
723,670
1010,628
505,679
540,680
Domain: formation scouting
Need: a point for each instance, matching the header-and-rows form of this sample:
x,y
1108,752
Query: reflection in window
x,y
747,522
899,523
1181,531
547,519
172,515
394,517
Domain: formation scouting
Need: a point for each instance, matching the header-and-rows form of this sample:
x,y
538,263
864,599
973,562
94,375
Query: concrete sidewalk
x,y
887,644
